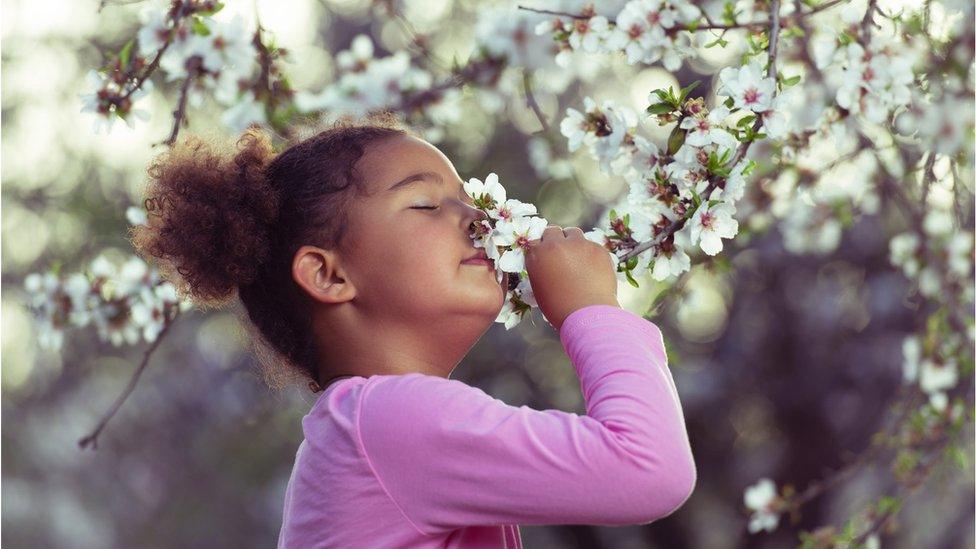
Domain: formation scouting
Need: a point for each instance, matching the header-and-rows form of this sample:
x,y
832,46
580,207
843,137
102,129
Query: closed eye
x,y
424,207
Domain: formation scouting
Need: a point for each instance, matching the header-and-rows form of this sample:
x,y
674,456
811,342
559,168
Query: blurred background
x,y
786,363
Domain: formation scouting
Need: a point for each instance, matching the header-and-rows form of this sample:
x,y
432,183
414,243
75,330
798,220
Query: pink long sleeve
x,y
449,455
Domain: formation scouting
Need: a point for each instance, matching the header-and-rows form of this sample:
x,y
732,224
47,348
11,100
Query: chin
x,y
483,304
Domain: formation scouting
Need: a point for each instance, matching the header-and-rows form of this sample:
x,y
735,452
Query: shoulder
x,y
415,388
422,407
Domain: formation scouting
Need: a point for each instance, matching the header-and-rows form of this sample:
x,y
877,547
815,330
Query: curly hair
x,y
223,223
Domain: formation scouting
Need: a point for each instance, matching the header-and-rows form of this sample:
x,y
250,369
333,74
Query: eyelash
x,y
424,207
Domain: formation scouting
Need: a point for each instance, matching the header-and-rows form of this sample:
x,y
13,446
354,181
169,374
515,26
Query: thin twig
x,y
180,14
179,114
530,99
92,438
868,20
706,26
879,522
709,25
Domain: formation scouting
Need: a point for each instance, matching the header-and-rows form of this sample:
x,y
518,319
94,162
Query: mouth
x,y
479,258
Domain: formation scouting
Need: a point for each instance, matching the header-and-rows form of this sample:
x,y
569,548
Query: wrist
x,y
586,302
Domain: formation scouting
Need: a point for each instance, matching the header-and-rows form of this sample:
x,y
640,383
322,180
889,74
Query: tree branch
x,y
92,438
530,99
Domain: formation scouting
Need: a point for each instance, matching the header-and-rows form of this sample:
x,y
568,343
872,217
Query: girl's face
x,y
409,236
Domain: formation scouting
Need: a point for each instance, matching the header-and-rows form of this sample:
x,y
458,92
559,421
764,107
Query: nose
x,y
472,214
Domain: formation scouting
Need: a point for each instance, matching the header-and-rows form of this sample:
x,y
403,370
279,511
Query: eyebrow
x,y
414,178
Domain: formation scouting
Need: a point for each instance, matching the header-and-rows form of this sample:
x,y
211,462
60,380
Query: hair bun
x,y
211,215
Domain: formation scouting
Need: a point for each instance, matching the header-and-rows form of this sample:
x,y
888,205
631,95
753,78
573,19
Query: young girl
x,y
352,256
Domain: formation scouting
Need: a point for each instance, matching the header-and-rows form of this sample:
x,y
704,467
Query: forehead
x,y
392,159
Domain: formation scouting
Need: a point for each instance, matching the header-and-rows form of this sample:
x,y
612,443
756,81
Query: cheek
x,y
427,245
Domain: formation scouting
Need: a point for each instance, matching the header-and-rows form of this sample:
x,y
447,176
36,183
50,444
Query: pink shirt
x,y
414,460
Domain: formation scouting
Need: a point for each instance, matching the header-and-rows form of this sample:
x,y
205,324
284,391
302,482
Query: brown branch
x,y
905,401
530,100
879,522
868,20
706,26
148,71
179,114
185,10
709,25
92,438
416,38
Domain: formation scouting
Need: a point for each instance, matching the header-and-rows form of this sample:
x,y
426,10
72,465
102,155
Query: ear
x,y
320,274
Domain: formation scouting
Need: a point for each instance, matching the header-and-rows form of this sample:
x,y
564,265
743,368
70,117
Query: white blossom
x,y
912,354
710,224
759,498
708,129
517,232
748,86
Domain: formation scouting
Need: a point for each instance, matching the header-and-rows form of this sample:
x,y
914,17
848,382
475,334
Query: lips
x,y
480,258
480,255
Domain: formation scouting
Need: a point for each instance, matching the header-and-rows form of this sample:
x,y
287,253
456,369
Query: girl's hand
x,y
568,272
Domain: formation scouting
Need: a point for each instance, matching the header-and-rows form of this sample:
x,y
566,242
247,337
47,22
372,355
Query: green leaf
x,y
660,108
207,13
630,278
791,80
686,90
200,27
719,40
794,32
676,139
126,53
751,165
746,120
888,503
729,102
959,456
729,13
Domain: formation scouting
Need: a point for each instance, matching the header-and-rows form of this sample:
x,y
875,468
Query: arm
x,y
450,455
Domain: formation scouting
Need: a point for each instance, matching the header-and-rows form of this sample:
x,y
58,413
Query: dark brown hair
x,y
223,223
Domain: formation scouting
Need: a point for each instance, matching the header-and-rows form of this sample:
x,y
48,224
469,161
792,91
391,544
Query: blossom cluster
x,y
949,252
192,42
126,302
935,372
666,185
645,30
871,79
504,234
762,500
365,83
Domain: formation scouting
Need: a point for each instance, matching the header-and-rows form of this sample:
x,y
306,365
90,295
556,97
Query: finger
x,y
552,231
573,232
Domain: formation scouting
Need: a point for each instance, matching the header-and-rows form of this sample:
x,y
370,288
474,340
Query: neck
x,y
366,347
